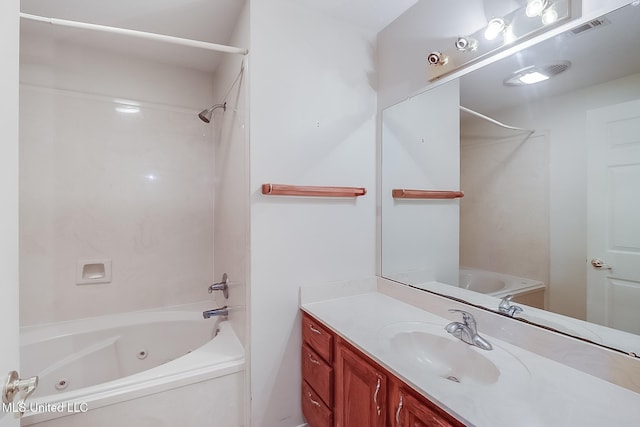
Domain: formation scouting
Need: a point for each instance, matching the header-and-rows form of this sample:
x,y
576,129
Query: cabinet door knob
x,y
315,402
375,396
400,405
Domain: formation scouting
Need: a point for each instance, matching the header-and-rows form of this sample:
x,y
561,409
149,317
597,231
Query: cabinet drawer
x,y
315,411
318,338
318,374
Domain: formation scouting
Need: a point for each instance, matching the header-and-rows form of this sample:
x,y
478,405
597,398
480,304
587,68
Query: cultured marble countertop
x,y
540,393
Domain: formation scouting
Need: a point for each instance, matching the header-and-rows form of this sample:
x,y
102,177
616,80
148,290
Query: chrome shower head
x,y
205,115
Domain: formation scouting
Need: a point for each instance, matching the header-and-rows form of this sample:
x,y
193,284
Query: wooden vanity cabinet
x,y
409,409
317,373
361,390
343,387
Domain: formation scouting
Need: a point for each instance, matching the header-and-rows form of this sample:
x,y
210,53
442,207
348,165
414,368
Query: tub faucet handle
x,y
15,385
221,286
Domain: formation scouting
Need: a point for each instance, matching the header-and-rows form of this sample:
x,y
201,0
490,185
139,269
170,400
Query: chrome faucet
x,y
222,311
467,331
507,308
221,286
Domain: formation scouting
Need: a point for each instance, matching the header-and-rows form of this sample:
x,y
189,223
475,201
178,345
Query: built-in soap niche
x,y
93,271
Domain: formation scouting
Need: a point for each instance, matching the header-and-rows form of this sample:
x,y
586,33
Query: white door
x,y
9,34
613,216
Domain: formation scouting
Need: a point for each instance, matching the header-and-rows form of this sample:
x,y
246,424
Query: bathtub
x,y
153,368
524,291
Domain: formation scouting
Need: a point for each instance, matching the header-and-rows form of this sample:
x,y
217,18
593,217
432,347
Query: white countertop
x,y
549,394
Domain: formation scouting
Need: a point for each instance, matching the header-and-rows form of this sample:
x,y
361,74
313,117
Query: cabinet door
x,y
361,391
409,411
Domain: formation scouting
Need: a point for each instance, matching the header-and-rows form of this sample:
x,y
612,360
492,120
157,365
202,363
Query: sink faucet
x,y
507,308
467,331
222,311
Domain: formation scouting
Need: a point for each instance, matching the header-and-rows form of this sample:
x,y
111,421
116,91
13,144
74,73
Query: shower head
x,y
205,115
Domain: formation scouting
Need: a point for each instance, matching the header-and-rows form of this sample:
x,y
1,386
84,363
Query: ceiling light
x,y
536,73
494,27
533,77
128,109
535,7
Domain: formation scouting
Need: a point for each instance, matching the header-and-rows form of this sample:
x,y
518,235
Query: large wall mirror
x,y
551,178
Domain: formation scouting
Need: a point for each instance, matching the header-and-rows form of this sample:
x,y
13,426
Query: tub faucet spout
x,y
222,311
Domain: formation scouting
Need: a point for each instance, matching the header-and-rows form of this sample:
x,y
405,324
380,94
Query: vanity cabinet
x,y
412,410
343,387
361,390
317,373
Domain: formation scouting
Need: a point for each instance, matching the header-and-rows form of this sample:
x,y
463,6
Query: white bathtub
x,y
154,368
497,284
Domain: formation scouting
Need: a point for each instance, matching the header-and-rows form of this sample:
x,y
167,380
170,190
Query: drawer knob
x,y
313,359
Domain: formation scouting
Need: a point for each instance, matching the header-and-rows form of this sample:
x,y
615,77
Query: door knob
x,y
15,385
600,264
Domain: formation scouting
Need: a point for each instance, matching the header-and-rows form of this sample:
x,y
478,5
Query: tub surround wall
x,y
97,183
504,215
231,210
313,111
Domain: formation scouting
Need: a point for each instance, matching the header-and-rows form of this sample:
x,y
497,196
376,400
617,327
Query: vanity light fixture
x,y
494,28
466,44
536,73
536,7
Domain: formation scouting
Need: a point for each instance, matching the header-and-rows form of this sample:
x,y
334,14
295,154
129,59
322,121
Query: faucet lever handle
x,y
467,318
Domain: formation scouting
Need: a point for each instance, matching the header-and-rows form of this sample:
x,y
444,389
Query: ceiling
x,y
205,20
598,55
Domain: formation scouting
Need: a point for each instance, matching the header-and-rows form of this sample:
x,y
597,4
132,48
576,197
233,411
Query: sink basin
x,y
481,282
426,348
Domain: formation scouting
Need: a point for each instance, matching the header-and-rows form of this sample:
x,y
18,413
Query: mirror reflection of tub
x,y
524,291
114,370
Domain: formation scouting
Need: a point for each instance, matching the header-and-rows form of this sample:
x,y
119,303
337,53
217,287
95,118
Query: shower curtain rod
x,y
141,34
494,121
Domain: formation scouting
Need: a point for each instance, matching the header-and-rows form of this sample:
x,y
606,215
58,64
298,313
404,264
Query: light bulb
x,y
535,7
549,16
494,27
533,77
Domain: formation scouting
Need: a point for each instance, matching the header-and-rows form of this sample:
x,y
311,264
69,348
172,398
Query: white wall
x,y
564,119
9,24
313,110
504,215
421,150
96,183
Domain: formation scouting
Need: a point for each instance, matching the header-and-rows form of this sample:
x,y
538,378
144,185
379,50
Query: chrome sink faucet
x,y
467,330
507,308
